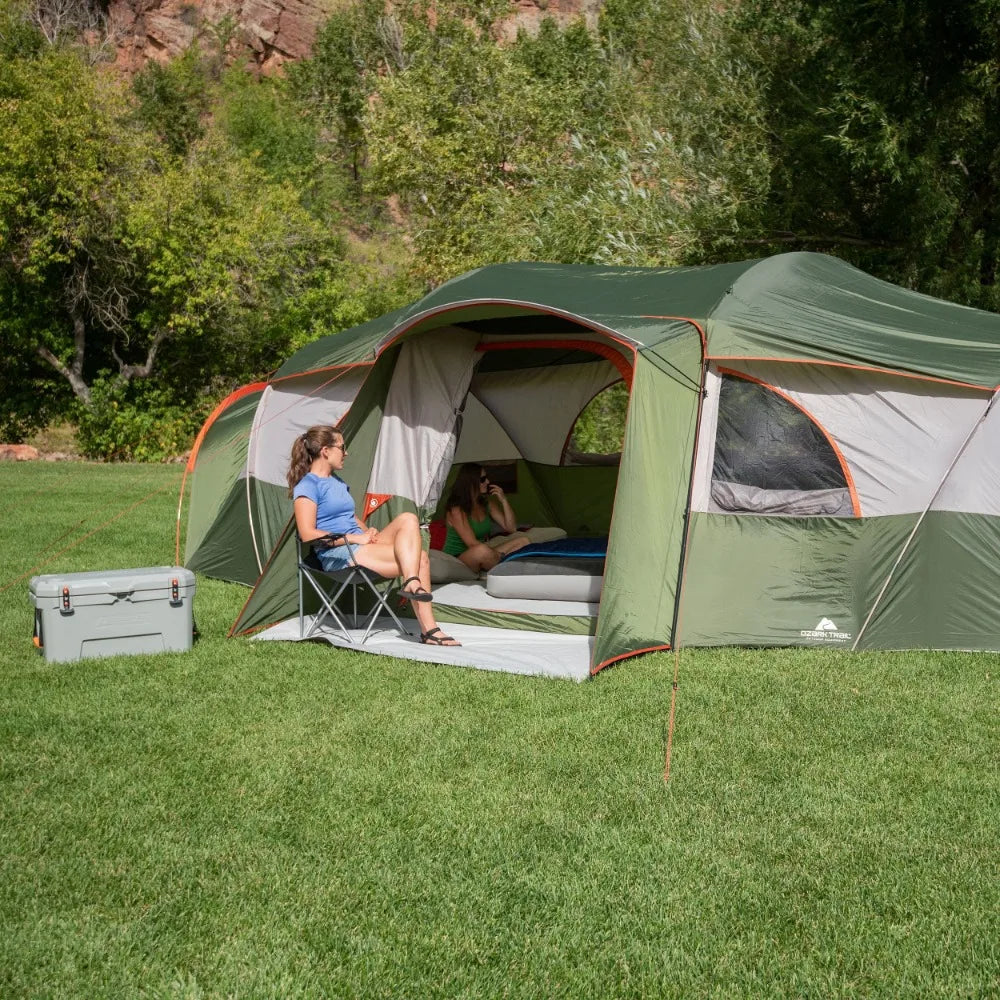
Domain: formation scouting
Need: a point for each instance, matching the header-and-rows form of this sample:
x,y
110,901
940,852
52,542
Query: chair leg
x,y
327,610
381,602
328,607
302,613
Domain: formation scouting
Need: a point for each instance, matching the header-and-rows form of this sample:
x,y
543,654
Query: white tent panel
x,y
974,484
292,406
701,490
482,439
896,435
537,407
417,435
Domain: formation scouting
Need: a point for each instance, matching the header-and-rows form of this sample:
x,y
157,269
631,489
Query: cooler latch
x,y
175,593
64,605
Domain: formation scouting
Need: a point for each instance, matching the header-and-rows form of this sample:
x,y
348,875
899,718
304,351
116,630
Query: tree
x,y
119,257
220,253
642,146
67,166
885,124
174,99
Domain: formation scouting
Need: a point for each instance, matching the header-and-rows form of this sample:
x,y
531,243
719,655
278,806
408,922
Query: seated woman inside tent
x,y
324,506
476,509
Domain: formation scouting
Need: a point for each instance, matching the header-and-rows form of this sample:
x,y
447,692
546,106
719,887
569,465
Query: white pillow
x,y
538,535
448,569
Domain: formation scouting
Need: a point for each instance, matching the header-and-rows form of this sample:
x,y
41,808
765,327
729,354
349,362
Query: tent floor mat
x,y
509,650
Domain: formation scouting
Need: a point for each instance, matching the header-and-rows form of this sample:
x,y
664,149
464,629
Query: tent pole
x,y
682,566
923,514
251,445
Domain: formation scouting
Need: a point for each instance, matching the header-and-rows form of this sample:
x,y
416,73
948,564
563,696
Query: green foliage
x,y
30,397
600,428
196,226
268,126
19,39
884,121
335,83
119,254
222,252
562,146
68,167
174,98
136,421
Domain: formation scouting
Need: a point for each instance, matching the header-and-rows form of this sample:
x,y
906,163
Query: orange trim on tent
x,y
531,307
317,371
634,652
601,350
850,367
855,502
214,415
694,323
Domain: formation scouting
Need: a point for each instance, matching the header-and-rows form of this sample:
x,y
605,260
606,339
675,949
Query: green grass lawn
x,y
272,820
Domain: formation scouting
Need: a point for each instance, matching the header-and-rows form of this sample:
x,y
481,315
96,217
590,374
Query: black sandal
x,y
428,638
418,593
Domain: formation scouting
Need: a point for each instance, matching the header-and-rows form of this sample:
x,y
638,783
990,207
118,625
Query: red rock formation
x,y
17,453
272,32
529,14
268,32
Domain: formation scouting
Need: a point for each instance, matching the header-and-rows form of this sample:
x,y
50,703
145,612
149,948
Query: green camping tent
x,y
806,458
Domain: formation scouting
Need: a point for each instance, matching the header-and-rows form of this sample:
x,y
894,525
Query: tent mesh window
x,y
599,431
770,457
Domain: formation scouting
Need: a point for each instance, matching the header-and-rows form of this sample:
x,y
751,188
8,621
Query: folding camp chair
x,y
330,585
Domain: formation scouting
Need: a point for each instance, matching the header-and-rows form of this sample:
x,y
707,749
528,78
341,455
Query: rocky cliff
x,y
271,32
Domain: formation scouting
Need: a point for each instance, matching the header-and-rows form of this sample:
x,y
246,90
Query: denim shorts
x,y
337,557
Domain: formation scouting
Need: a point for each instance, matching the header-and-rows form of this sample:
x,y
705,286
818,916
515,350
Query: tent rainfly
x,y
808,456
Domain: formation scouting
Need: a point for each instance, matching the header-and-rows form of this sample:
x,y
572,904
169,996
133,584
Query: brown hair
x,y
306,448
465,491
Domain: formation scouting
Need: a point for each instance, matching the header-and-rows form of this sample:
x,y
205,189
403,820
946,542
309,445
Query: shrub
x,y
137,422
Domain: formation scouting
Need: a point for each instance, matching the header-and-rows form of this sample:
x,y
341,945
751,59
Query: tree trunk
x,y
127,372
73,372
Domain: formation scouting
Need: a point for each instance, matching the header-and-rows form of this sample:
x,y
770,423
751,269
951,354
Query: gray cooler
x,y
117,611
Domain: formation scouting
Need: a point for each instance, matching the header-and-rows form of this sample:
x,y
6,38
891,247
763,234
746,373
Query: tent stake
x,y
670,724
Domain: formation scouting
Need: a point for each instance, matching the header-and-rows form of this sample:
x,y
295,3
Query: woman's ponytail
x,y
305,448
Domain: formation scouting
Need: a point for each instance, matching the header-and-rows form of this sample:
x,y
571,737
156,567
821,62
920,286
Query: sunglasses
x,y
484,479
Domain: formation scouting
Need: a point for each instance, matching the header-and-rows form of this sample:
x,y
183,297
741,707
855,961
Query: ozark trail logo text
x,y
826,630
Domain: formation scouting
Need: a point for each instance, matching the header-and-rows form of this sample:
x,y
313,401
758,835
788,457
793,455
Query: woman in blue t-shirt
x,y
324,506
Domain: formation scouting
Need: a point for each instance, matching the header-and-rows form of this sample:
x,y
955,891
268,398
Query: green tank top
x,y
453,544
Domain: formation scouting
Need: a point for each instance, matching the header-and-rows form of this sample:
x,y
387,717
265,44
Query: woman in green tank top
x,y
477,509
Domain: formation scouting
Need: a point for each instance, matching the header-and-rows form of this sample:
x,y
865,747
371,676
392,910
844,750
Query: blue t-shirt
x,y
334,503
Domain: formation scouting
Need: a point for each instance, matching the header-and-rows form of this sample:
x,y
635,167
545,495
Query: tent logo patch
x,y
826,629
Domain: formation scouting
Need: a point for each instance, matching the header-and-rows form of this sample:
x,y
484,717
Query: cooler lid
x,y
111,581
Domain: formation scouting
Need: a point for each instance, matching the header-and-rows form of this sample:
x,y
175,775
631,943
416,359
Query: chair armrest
x,y
327,541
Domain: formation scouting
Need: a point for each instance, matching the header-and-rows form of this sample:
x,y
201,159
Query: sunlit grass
x,y
279,820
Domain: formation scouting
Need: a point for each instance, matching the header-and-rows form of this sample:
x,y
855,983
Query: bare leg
x,y
479,557
513,545
403,534
396,555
